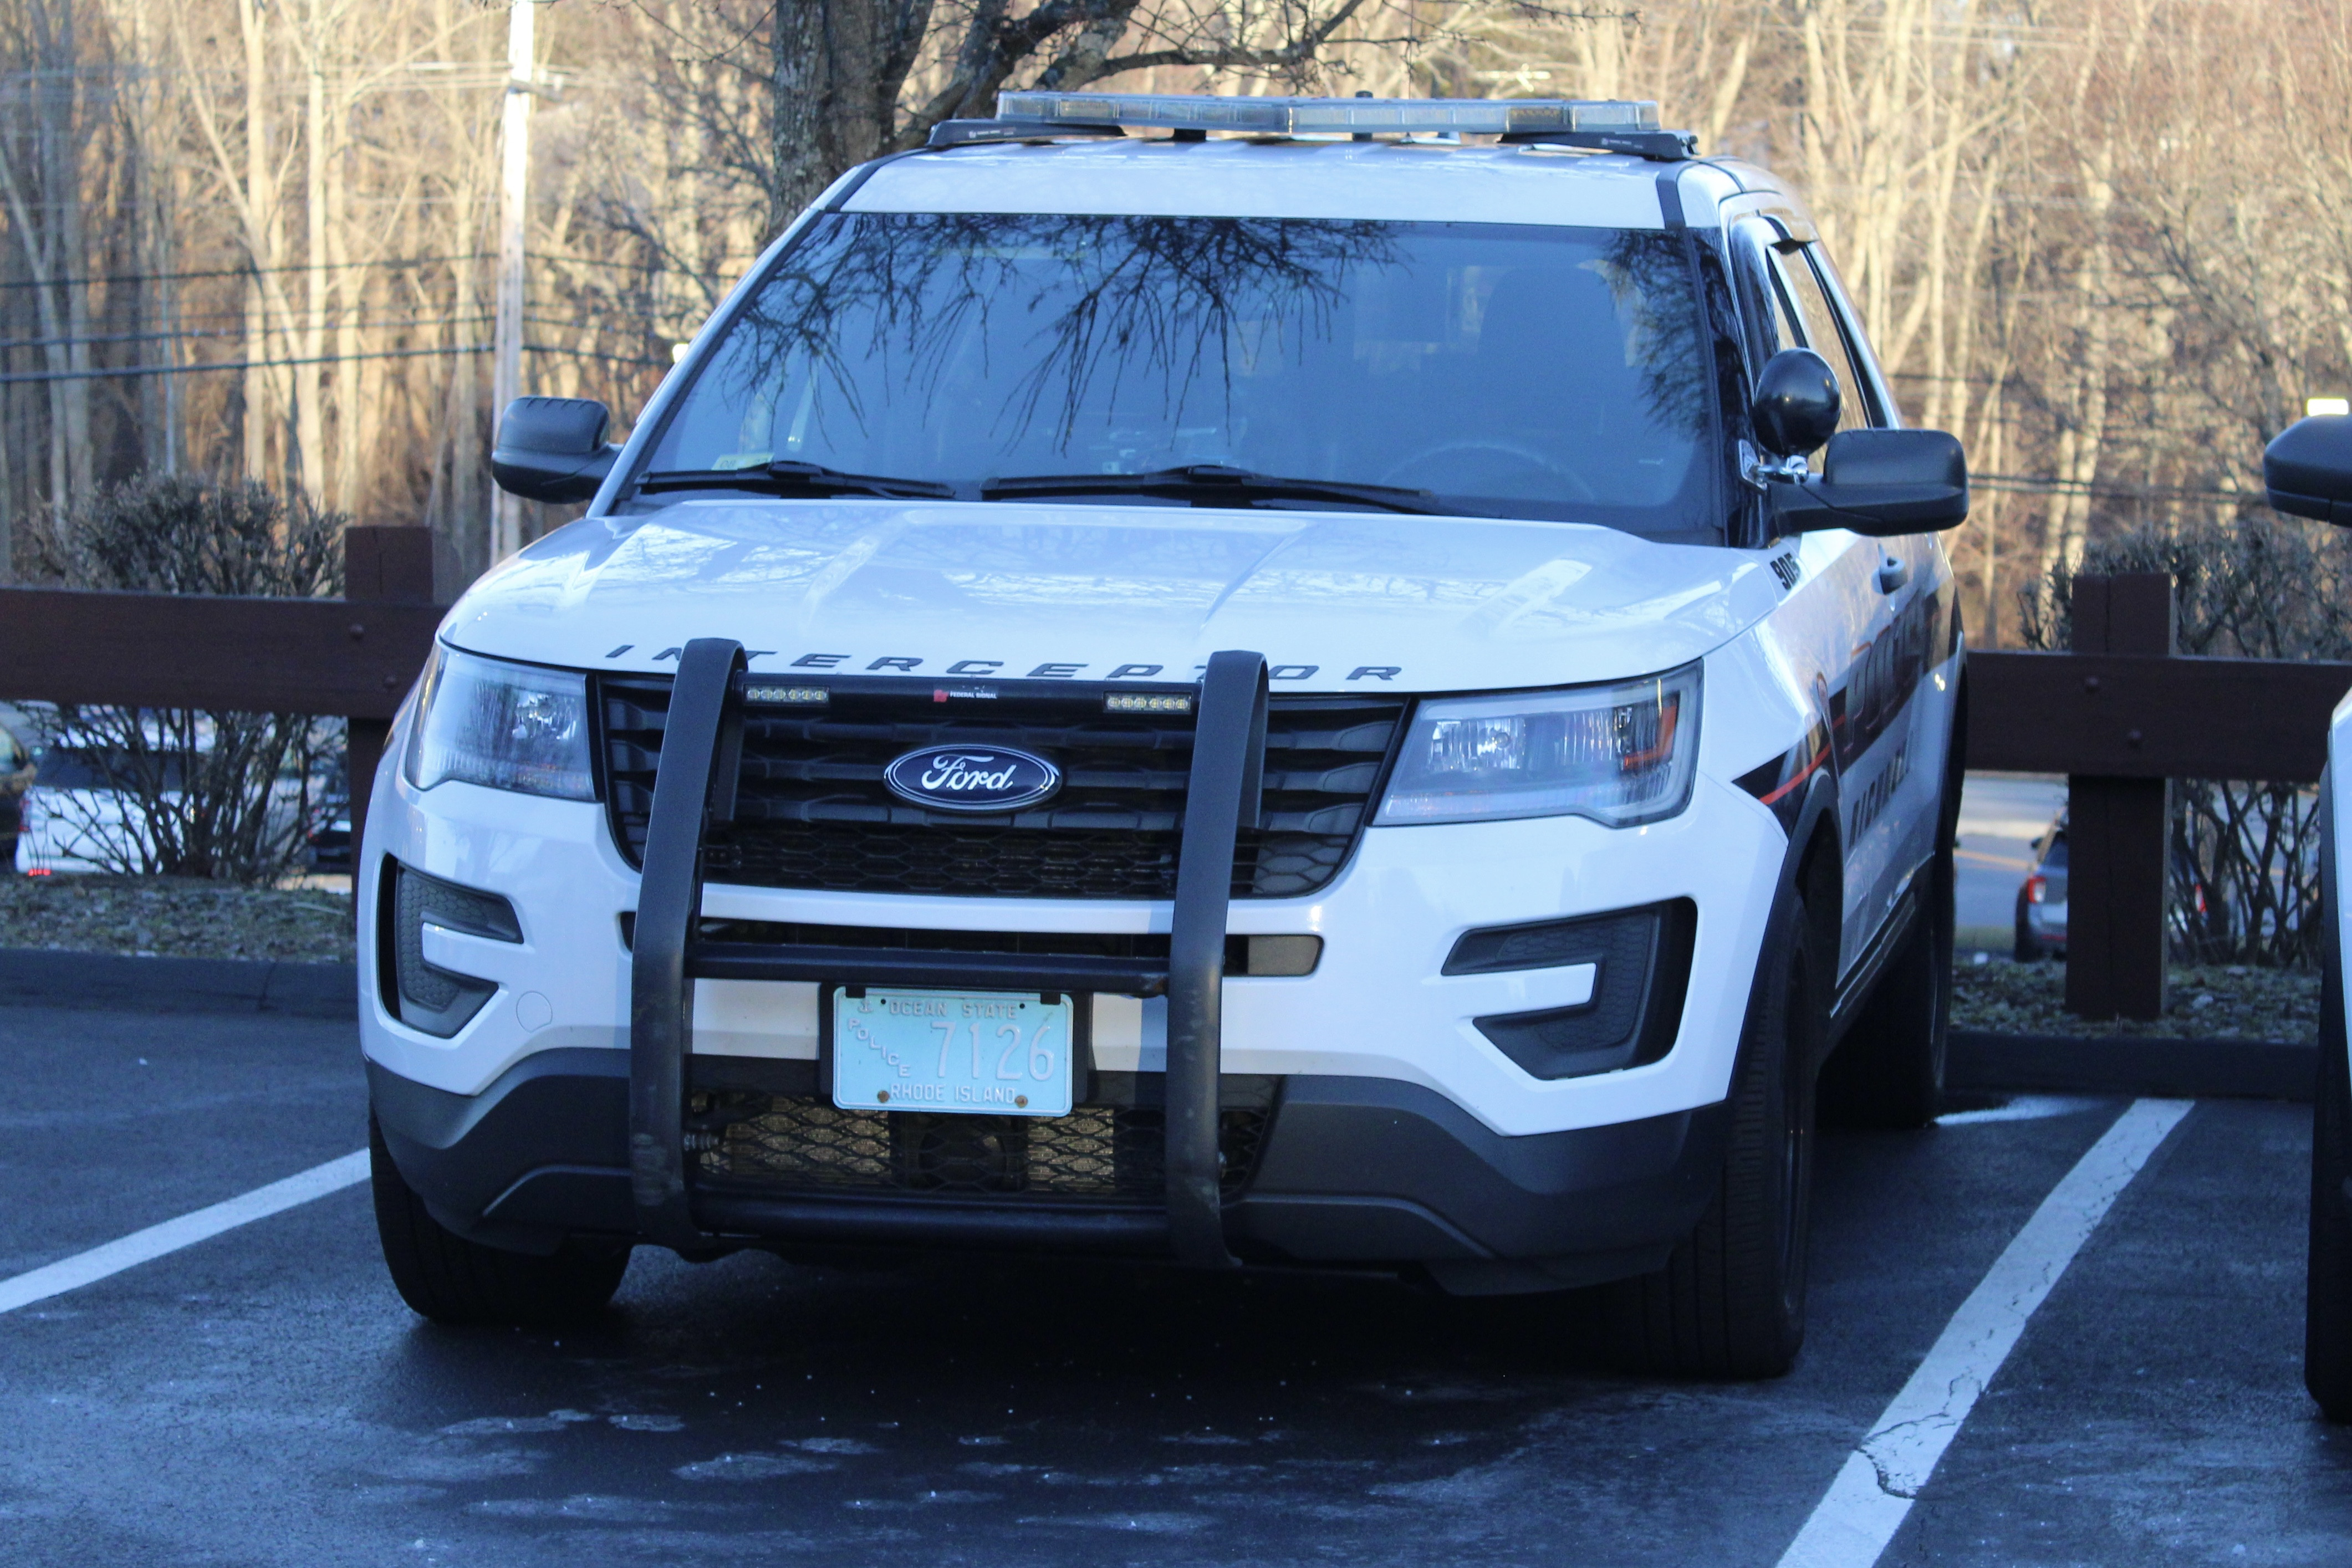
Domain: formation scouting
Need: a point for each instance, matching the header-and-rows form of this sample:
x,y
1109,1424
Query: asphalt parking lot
x,y
263,1397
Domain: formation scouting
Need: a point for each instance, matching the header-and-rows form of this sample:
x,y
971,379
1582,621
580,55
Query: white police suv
x,y
1278,681
2307,471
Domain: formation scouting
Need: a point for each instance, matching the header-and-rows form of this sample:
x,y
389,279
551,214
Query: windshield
x,y
1509,371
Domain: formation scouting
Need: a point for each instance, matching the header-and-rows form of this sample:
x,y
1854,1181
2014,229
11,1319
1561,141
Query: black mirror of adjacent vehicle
x,y
552,448
1796,405
1878,482
2307,470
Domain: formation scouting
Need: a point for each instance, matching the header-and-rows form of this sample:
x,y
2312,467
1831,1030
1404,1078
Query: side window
x,y
1770,326
1822,334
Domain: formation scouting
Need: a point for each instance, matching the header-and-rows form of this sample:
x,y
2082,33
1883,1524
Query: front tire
x,y
443,1276
1730,1302
2328,1306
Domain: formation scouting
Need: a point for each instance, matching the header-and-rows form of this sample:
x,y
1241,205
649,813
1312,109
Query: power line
x,y
21,378
208,334
2050,485
128,277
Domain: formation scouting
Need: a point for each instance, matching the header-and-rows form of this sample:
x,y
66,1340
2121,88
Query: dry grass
x,y
177,917
2206,1002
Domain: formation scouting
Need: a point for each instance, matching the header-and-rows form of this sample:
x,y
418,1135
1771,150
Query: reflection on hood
x,y
1339,600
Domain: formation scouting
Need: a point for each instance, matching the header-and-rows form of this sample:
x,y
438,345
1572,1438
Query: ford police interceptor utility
x,y
1276,682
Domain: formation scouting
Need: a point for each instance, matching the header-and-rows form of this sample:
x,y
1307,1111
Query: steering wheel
x,y
1525,456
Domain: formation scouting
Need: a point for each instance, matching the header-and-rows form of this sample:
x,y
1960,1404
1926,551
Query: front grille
x,y
810,810
764,1142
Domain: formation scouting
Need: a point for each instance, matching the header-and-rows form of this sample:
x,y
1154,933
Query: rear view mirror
x,y
552,448
1796,405
2308,468
1878,482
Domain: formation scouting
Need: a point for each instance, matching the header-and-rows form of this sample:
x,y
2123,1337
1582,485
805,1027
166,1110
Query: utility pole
x,y
514,190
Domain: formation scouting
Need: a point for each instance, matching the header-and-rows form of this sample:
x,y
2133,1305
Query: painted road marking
x,y
146,1246
1882,1477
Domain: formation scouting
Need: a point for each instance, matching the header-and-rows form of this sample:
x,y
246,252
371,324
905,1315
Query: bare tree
x,y
852,79
43,140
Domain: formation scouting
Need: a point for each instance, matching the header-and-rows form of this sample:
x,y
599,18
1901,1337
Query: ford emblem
x,y
971,777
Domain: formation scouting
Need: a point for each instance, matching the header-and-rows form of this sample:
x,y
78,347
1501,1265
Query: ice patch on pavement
x,y
437,1464
750,1468
1130,1523
507,1425
588,1506
2025,1108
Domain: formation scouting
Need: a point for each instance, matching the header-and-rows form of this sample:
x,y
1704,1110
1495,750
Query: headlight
x,y
1618,754
510,726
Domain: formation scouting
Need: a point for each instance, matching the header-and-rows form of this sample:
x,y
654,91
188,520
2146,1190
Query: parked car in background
x,y
2041,898
74,817
16,772
2307,471
82,818
2192,917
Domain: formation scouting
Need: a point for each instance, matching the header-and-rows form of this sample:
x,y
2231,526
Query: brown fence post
x,y
2116,827
381,566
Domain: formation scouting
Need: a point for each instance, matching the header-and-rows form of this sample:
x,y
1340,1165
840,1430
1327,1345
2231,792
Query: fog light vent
x,y
425,997
1643,960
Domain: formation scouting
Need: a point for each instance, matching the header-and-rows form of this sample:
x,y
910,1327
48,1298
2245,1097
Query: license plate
x,y
983,1053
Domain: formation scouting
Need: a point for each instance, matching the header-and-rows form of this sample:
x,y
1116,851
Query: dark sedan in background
x,y
2041,899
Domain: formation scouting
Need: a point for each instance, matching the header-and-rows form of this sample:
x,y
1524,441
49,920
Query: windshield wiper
x,y
786,477
1213,482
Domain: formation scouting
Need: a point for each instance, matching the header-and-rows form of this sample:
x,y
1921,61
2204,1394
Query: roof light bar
x,y
1308,116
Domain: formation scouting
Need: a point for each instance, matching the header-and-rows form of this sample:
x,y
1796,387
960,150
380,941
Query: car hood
x,y
1335,601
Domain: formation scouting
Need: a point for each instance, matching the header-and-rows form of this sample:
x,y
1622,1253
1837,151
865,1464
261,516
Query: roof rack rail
x,y
1609,125
965,132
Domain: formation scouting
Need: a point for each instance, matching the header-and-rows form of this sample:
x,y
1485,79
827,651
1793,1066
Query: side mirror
x,y
1796,405
1878,482
552,448
2308,468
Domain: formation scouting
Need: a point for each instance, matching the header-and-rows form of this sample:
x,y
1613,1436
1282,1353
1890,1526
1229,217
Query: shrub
x,y
229,796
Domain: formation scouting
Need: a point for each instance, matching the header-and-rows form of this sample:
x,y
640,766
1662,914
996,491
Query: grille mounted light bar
x,y
1623,125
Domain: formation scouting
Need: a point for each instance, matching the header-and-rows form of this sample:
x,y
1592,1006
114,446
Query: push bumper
x,y
1353,1172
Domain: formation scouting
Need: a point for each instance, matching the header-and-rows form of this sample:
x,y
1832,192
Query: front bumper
x,y
1366,1172
1402,1134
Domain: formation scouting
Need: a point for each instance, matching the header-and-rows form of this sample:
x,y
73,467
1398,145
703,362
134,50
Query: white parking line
x,y
1881,1479
144,1246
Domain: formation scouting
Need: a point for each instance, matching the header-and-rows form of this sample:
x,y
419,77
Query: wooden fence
x,y
355,656
2120,714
